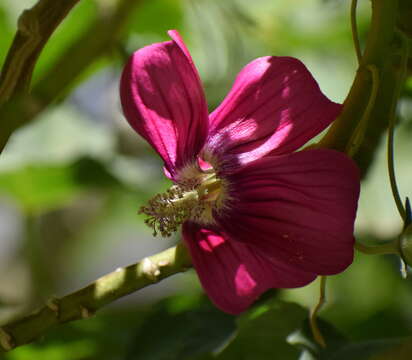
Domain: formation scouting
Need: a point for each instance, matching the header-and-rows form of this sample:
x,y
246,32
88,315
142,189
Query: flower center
x,y
193,199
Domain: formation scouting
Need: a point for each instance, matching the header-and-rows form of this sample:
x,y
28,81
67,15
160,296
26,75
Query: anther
x,y
192,198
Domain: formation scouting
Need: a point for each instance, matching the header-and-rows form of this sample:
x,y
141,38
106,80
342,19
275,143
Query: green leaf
x,y
262,333
402,351
166,335
340,348
303,338
365,350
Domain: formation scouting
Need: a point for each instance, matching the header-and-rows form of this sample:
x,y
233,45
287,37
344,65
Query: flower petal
x,y
299,208
234,274
275,106
163,100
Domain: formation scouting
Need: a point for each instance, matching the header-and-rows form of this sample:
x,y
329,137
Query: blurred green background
x,y
71,181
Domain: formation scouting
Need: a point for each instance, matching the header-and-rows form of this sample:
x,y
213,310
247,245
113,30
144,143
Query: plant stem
x,y
382,249
355,34
317,335
378,45
391,129
100,38
35,27
17,103
85,302
359,134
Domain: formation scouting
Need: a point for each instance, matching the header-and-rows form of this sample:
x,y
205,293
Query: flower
x,y
255,214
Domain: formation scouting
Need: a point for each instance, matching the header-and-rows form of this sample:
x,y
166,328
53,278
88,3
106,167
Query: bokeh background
x,y
72,180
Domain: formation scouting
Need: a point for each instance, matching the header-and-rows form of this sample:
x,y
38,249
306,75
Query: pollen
x,y
190,199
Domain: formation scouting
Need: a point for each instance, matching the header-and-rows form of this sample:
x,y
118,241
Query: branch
x,y
35,27
101,37
378,53
384,109
98,39
85,302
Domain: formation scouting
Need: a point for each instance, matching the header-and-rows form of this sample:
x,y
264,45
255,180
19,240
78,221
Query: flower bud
x,y
405,245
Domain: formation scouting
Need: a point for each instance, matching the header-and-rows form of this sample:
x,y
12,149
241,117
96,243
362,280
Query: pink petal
x,y
299,208
234,274
275,106
163,100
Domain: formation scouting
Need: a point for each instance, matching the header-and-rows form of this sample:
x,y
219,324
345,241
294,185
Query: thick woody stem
x,y
85,302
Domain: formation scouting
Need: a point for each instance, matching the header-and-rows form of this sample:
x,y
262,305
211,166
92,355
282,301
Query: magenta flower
x,y
256,215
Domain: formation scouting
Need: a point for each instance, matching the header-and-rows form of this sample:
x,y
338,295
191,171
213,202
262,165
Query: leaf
x,y
303,338
365,350
340,348
262,333
166,335
402,351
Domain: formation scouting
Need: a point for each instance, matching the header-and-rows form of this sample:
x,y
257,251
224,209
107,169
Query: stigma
x,y
192,198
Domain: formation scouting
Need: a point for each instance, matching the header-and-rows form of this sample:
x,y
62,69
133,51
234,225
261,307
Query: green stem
x,y
317,335
355,34
378,45
359,134
382,249
84,51
23,107
35,27
85,302
371,96
391,129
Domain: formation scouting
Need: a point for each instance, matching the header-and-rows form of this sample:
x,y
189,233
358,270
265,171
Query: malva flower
x,y
255,214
